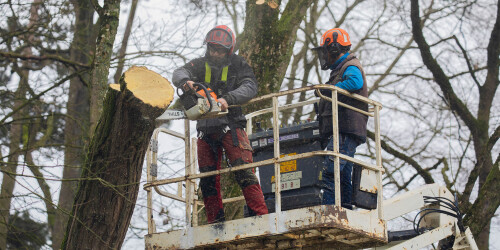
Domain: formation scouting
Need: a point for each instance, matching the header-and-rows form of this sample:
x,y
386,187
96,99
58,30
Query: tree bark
x,y
9,169
108,15
268,36
77,121
110,179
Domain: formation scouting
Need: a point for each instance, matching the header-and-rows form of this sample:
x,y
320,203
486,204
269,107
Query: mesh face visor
x,y
323,55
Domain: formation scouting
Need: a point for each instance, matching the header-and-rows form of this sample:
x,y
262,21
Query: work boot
x,y
220,217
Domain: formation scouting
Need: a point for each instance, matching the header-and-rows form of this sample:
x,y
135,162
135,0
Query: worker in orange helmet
x,y
234,83
348,74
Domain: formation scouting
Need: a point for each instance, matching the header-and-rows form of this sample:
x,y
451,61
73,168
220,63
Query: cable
x,y
439,201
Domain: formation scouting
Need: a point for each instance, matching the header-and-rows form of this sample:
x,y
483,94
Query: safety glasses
x,y
218,49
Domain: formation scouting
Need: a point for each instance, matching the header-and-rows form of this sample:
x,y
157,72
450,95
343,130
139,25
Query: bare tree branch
x,y
98,8
408,159
493,139
56,58
57,84
439,76
467,60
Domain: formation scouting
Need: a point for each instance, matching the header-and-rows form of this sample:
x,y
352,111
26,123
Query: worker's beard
x,y
217,61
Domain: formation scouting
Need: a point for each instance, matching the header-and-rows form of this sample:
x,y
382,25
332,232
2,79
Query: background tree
x,y
26,233
270,34
77,121
123,47
483,139
26,115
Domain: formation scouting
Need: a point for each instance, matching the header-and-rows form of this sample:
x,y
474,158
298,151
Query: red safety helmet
x,y
221,35
333,42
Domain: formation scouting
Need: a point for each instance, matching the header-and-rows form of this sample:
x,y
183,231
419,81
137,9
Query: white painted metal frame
x,y
331,222
414,200
190,197
335,103
336,223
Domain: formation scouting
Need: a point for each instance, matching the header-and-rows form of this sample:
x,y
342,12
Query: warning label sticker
x,y
288,166
289,176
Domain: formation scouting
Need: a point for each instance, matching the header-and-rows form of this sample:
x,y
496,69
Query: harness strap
x,y
224,74
234,135
208,73
215,143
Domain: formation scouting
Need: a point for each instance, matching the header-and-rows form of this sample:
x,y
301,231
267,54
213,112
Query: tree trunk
x,y
268,36
76,130
110,179
485,206
479,216
31,145
265,36
108,15
9,169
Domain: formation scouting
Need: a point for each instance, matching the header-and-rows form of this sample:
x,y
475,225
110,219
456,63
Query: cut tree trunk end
x,y
110,179
147,86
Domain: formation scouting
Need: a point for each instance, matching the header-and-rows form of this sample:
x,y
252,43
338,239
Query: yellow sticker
x,y
287,166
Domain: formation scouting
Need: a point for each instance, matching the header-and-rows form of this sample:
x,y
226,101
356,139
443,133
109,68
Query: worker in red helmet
x,y
234,83
348,74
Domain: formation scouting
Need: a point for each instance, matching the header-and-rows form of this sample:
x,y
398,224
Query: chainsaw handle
x,y
207,94
184,91
181,88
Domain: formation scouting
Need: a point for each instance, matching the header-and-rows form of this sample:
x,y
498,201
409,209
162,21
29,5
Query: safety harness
x,y
208,73
232,128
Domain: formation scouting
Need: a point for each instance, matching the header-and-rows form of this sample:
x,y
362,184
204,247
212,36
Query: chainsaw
x,y
197,105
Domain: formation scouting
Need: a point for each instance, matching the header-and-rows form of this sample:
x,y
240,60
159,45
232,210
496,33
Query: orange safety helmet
x,y
336,35
333,42
221,35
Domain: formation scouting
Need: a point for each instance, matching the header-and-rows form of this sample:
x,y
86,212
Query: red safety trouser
x,y
237,155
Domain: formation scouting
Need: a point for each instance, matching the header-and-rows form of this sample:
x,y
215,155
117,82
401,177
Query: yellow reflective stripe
x,y
208,73
224,73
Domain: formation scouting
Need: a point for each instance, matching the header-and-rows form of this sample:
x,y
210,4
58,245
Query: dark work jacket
x,y
350,121
240,87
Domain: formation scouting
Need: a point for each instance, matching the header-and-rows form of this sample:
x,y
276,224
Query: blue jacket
x,y
347,73
352,79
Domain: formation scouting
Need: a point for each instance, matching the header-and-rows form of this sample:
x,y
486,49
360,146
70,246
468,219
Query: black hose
x,y
450,205
440,201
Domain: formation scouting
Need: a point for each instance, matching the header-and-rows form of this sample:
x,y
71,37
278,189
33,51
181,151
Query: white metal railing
x,y
190,197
